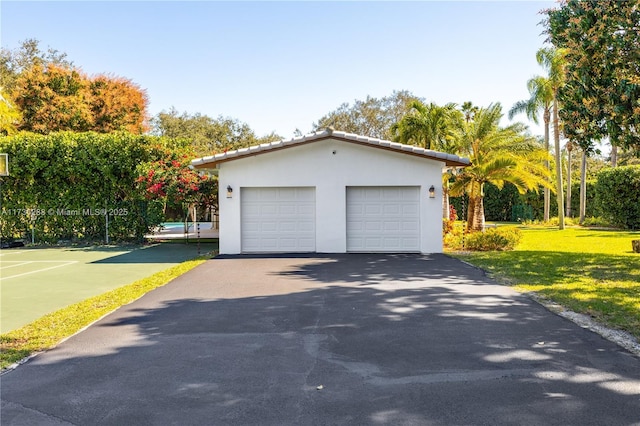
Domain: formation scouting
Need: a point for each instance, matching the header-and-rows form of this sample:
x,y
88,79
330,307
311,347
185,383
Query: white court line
x,y
42,270
19,263
38,261
12,252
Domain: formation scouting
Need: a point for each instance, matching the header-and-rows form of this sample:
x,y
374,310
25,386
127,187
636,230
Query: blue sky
x,y
279,66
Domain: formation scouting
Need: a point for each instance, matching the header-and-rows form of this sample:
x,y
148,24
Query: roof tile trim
x,y
395,146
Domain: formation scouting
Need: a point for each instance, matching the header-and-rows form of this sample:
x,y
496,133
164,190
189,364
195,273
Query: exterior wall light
x,y
432,192
229,191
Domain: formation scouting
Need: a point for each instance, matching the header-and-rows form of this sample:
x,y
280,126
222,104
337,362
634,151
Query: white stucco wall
x,y
316,165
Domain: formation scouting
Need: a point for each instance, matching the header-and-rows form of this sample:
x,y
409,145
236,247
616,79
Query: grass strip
x,y
46,332
592,272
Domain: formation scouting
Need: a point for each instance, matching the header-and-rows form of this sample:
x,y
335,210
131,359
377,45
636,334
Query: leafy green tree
x,y
207,135
602,43
498,155
372,117
541,99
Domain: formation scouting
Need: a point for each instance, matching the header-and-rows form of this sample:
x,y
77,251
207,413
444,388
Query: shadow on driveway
x,y
342,339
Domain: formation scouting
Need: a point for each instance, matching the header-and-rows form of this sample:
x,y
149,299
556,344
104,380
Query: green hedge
x,y
61,185
618,196
506,204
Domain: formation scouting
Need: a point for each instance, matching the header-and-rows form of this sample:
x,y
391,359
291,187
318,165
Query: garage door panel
x,y
268,209
355,226
392,209
307,227
288,226
391,193
278,219
269,227
392,243
307,209
287,209
410,209
383,219
413,226
252,209
373,226
392,226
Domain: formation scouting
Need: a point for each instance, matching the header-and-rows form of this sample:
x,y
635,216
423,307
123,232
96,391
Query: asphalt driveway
x,y
329,340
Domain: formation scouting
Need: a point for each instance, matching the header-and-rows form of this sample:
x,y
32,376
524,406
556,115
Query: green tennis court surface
x,y
36,281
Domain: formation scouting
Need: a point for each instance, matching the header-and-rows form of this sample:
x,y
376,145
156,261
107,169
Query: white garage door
x,y
278,219
383,219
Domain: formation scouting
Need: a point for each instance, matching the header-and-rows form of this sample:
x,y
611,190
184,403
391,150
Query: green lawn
x,y
593,272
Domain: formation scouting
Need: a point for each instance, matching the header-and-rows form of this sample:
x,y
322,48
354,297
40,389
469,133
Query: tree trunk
x,y
475,220
470,210
583,186
547,191
556,141
614,155
569,176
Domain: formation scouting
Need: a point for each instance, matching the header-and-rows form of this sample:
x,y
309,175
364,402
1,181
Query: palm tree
x,y
469,110
497,155
541,98
553,60
431,127
428,126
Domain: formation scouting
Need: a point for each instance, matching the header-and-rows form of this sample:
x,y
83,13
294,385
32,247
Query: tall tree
x,y
541,99
431,127
554,63
602,43
53,99
207,135
469,110
428,126
117,103
372,117
56,98
497,155
51,94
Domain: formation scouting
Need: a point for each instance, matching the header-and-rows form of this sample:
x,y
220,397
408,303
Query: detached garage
x,y
330,192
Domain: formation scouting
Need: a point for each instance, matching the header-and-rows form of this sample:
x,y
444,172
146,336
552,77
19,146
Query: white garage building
x,y
330,192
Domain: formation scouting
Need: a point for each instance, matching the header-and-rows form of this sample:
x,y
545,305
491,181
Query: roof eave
x,y
212,162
